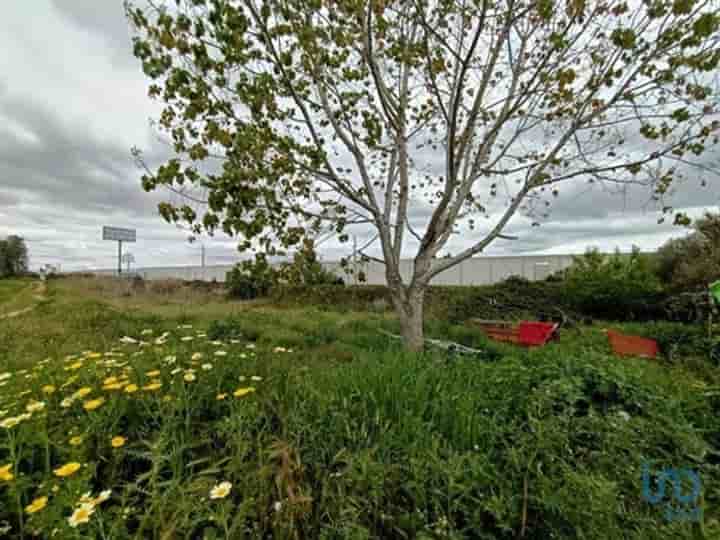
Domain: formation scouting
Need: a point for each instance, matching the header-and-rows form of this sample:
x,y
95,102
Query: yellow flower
x,y
67,470
114,386
81,515
152,386
118,441
93,404
35,406
189,376
220,397
37,505
154,373
5,474
130,388
221,491
94,355
48,389
76,441
73,367
84,391
240,392
110,380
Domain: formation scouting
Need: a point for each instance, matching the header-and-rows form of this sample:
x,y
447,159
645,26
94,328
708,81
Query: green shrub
x,y
617,287
251,279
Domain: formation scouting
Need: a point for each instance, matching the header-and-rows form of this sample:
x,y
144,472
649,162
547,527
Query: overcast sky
x,y
73,103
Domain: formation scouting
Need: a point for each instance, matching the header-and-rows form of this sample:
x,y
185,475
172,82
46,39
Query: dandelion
x,y
221,491
35,406
130,388
207,367
37,505
196,356
5,473
67,470
48,389
154,373
76,440
81,515
93,404
118,441
240,392
189,376
114,386
220,397
152,386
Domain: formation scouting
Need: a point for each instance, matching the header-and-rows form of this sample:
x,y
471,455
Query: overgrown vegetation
x,y
325,428
690,263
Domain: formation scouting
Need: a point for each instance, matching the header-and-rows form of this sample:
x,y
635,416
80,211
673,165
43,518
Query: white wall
x,y
474,271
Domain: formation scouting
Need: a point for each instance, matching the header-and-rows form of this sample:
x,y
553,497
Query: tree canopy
x,y
13,257
419,118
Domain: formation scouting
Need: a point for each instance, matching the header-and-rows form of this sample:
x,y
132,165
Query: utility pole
x,y
119,257
202,255
355,269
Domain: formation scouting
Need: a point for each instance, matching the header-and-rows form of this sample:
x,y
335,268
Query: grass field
x,y
169,412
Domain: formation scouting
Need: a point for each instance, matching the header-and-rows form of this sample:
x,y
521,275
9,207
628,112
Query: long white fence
x,y
474,271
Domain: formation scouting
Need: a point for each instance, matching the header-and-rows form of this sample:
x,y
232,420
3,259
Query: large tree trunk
x,y
409,307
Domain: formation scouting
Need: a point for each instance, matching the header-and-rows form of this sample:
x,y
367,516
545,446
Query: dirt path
x,y
39,290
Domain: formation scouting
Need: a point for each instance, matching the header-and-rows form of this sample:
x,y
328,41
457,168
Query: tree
x,y
13,257
692,262
287,115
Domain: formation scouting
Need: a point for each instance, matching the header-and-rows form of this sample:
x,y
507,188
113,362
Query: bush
x,y
618,287
251,279
690,263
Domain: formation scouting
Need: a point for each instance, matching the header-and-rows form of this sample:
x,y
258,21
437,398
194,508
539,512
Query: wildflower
x,y
234,341
152,386
48,389
277,506
250,346
14,421
94,355
207,367
151,374
220,397
189,376
67,470
240,392
81,515
76,440
75,366
146,332
220,353
35,406
93,404
196,356
130,388
170,360
187,338
118,441
5,474
84,391
114,386
242,378
67,402
70,381
185,327
221,491
280,349
216,343
5,376
175,371
104,496
255,378
128,340
37,505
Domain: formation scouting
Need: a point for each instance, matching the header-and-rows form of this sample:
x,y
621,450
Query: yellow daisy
x,y
81,514
48,389
5,474
154,373
240,392
118,441
76,441
152,386
93,404
84,391
130,388
67,470
37,505
221,491
220,397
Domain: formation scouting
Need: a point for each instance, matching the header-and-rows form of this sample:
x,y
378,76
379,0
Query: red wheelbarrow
x,y
627,345
527,333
